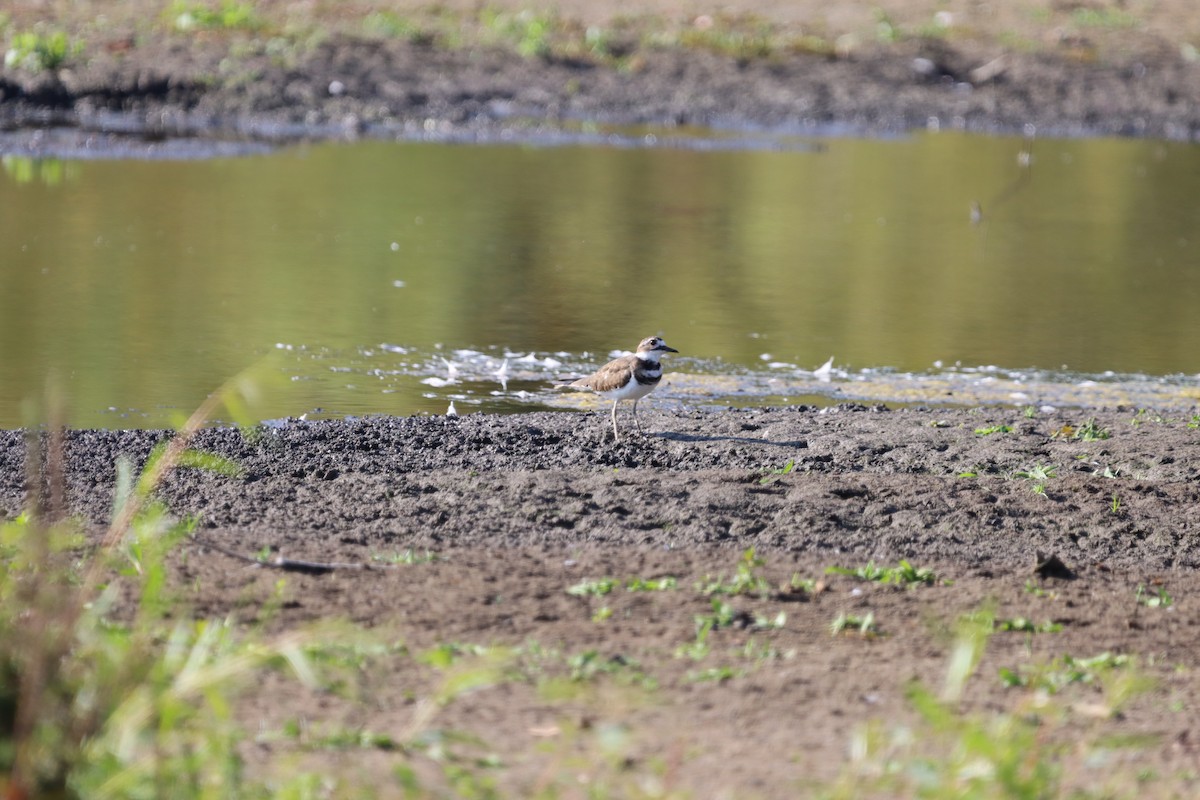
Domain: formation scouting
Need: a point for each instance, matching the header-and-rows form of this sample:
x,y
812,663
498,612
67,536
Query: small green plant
x,y
903,574
765,623
1037,591
740,45
798,584
1145,415
1157,598
593,588
992,429
38,50
1062,672
663,584
529,31
1089,431
599,587
864,626
229,15
773,475
696,650
715,674
590,664
762,653
405,557
721,617
1039,474
1029,412
446,654
351,653
1023,625
724,615
390,25
1114,505
1194,423
972,632
886,30
1111,18
936,28
745,581
304,735
598,42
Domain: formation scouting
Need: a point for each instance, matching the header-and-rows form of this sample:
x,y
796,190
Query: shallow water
x,y
366,270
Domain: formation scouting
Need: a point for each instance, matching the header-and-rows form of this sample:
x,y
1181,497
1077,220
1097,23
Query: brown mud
x,y
514,510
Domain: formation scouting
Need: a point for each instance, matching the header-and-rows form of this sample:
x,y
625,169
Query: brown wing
x,y
612,375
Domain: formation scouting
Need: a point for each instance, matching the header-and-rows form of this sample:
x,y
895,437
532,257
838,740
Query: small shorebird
x,y
630,377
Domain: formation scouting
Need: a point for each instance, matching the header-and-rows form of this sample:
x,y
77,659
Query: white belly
x,y
632,390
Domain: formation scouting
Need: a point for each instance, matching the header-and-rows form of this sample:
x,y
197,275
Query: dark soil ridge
x,y
880,484
348,87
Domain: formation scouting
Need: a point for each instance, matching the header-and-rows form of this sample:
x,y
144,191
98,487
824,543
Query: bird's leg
x,y
616,436
637,424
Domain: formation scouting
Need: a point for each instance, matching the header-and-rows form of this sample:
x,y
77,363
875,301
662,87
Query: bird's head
x,y
653,346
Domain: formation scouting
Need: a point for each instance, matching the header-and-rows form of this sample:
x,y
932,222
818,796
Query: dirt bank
x,y
462,72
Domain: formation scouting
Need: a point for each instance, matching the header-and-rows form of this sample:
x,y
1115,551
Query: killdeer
x,y
630,377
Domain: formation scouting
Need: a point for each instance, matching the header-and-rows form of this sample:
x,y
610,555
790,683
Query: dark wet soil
x,y
514,510
869,482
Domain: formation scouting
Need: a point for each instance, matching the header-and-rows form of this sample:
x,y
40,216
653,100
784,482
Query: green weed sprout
x,y
745,581
38,50
903,574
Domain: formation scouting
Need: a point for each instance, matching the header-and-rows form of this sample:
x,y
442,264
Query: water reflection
x,y
146,284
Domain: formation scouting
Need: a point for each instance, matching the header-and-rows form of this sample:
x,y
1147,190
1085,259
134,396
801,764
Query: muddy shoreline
x,y
225,87
946,484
